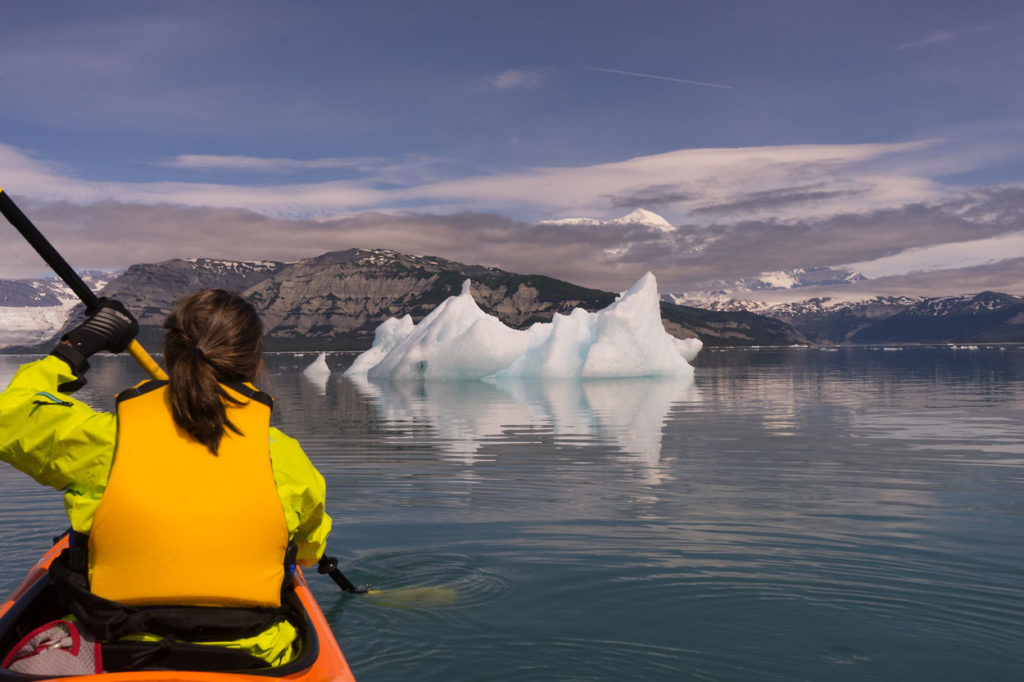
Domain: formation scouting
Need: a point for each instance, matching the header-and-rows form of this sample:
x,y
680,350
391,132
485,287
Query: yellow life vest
x,y
179,525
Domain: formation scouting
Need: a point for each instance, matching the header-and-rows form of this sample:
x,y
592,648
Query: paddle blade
x,y
412,597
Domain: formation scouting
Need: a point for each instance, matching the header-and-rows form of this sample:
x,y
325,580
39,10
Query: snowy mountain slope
x,y
46,292
847,315
987,316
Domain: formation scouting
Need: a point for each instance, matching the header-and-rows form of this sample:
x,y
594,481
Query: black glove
x,y
109,327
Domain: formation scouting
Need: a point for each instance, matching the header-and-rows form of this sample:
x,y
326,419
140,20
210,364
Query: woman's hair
x,y
213,337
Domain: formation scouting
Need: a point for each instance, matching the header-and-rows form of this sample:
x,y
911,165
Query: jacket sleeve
x,y
303,492
57,440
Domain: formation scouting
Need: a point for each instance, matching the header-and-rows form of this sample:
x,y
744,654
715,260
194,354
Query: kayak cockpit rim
x,y
38,604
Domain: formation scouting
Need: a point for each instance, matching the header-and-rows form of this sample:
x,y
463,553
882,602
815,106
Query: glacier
x,y
29,325
40,318
459,341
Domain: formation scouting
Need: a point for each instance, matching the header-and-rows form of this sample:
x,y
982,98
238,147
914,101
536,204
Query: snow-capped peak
x,y
646,218
640,216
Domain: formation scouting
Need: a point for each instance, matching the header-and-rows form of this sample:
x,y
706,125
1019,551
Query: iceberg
x,y
456,341
688,348
387,335
459,341
318,373
318,369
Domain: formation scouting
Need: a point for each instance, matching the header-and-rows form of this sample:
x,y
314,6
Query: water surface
x,y
789,514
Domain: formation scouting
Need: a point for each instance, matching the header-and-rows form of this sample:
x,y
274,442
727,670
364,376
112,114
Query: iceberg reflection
x,y
628,414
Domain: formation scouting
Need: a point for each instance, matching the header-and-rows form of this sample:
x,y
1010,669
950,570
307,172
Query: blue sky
x,y
774,134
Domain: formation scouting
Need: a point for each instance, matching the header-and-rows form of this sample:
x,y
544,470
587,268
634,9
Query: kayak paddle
x,y
328,565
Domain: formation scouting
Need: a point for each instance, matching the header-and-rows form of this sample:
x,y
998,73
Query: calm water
x,y
787,515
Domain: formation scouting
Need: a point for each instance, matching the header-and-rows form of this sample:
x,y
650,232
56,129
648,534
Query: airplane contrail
x,y
661,78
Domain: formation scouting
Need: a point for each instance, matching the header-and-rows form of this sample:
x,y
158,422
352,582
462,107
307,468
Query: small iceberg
x,y
318,373
459,341
318,369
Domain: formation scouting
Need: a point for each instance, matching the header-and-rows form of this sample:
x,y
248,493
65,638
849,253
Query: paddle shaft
x,y
329,565
60,266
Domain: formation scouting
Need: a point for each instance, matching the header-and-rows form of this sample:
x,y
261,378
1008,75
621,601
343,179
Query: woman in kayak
x,y
186,498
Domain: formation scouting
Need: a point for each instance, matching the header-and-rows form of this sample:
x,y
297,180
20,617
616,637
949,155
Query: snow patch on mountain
x,y
788,309
236,266
867,305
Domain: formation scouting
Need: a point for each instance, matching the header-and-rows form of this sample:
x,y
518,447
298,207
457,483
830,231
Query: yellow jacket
x,y
63,443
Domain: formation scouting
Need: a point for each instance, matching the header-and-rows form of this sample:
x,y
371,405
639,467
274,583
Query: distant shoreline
x,y
910,345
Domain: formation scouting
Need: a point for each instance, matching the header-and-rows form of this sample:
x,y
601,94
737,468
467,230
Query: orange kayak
x,y
321,659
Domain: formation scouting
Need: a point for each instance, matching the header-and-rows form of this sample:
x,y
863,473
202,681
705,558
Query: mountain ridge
x,y
336,300
985,317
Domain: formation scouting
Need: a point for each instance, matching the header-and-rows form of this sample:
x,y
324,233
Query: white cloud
x,y
848,178
516,79
263,165
933,38
948,256
409,169
701,177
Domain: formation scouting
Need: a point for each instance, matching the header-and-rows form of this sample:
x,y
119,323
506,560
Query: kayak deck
x,y
33,603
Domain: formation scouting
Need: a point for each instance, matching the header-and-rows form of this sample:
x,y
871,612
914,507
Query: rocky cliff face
x,y
343,295
149,290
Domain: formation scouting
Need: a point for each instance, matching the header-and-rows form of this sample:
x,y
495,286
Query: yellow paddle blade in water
x,y
412,597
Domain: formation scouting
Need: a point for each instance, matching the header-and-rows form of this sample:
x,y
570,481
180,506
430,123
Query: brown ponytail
x,y
213,337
